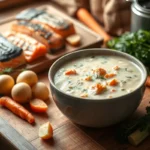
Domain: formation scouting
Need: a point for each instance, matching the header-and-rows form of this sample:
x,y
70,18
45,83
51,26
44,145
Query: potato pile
x,y
6,84
27,89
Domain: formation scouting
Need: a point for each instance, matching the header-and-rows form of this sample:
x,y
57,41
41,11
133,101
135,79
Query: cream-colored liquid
x,y
128,77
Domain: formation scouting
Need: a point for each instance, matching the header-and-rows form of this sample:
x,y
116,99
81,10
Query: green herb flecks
x,y
102,78
10,70
129,77
7,70
123,89
84,90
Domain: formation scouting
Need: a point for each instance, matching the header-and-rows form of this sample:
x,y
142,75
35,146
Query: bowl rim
x,y
96,99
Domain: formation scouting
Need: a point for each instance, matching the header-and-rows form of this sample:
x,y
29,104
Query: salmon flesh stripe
x,y
32,48
58,24
11,56
41,33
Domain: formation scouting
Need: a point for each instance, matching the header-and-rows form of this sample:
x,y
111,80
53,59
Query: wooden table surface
x,y
70,136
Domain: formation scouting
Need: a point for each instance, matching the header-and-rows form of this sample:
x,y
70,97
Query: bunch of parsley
x,y
136,44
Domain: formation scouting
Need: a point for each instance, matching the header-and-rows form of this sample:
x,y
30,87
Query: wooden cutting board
x,y
88,37
67,135
10,139
70,136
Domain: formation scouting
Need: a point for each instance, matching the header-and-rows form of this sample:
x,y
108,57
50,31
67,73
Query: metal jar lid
x,y
138,9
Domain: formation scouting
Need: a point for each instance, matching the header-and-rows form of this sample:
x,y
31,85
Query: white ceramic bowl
x,y
95,112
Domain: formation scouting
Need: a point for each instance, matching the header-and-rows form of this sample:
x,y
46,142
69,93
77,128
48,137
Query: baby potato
x,y
46,131
6,84
40,90
21,93
28,77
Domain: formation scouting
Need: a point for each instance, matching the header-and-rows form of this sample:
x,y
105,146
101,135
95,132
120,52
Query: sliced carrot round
x,y
38,105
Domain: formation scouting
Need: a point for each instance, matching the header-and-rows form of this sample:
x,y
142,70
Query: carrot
x,y
110,75
102,71
99,88
148,81
16,109
84,16
71,72
113,82
37,105
89,78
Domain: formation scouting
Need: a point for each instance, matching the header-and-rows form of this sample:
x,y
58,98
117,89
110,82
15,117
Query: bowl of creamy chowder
x,y
97,87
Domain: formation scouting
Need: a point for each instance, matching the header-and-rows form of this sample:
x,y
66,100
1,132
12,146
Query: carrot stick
x,y
16,109
84,16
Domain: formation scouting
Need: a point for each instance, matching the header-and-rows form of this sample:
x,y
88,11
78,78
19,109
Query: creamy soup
x,y
98,77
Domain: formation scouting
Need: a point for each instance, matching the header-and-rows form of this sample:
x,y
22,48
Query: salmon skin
x,y
32,48
11,56
41,33
29,14
8,50
61,26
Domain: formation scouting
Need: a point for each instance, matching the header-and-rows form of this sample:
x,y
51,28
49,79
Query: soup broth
x,y
98,77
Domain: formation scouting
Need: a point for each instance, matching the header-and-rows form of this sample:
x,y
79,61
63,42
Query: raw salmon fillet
x,y
58,24
31,47
41,33
11,56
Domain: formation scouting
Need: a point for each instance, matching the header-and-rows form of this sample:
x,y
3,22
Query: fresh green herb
x,y
122,89
123,81
142,125
7,70
69,81
101,77
79,83
84,90
136,44
10,70
81,65
75,65
128,77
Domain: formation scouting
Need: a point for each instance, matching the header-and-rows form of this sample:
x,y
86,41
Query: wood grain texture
x,y
70,136
12,139
67,135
